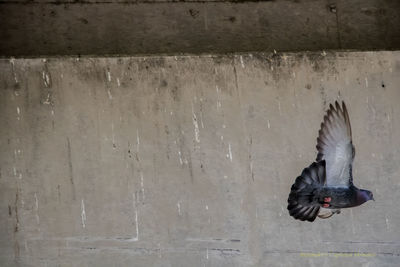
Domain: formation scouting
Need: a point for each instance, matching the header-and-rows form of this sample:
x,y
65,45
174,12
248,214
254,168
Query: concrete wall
x,y
126,27
188,161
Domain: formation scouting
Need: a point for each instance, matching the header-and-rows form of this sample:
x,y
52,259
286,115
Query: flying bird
x,y
328,182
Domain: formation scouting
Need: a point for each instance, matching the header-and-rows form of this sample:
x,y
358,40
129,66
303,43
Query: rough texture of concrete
x,y
188,161
35,28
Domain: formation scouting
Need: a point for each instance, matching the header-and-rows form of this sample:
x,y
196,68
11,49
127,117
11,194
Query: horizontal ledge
x,y
159,27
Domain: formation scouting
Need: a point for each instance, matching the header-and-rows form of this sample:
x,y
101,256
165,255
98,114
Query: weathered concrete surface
x,y
188,161
119,27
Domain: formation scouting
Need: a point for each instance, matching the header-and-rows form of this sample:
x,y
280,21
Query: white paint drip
x,y
268,124
323,53
12,61
180,158
241,62
83,214
109,94
46,79
230,151
137,141
142,185
137,226
207,257
387,222
196,126
178,205
47,101
206,207
134,239
201,120
118,82
37,209
108,76
366,82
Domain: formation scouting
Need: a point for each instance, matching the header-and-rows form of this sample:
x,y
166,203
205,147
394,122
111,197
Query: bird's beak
x,y
373,198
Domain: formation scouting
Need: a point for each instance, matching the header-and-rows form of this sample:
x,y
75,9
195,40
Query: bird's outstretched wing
x,y
334,145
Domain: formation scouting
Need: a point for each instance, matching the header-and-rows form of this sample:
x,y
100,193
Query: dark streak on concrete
x,y
190,167
16,228
70,167
58,193
323,96
250,157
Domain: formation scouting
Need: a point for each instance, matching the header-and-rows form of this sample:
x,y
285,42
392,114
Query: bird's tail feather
x,y
301,202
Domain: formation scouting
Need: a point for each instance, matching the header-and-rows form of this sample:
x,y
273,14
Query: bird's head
x,y
364,195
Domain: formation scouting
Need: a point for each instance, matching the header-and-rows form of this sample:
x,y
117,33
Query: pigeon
x,y
328,182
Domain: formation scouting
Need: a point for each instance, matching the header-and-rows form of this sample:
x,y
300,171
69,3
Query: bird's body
x,y
341,197
328,182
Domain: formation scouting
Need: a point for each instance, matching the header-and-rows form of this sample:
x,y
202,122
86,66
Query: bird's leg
x,y
328,214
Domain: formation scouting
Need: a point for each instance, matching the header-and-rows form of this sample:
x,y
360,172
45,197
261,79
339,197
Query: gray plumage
x,y
328,182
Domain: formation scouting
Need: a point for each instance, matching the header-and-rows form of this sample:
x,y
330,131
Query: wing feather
x,y
334,145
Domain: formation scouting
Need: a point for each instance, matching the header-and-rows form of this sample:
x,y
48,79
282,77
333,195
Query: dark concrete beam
x,y
37,28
